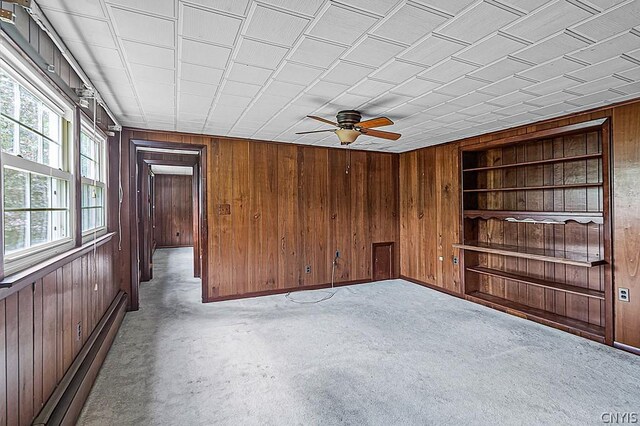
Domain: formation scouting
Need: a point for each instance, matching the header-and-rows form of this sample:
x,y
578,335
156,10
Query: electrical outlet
x,y
623,294
78,331
307,269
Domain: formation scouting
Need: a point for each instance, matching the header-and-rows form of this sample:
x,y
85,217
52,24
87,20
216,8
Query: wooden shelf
x,y
537,187
563,257
580,217
575,326
537,162
537,282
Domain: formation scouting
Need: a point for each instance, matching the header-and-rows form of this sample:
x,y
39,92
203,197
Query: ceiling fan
x,y
349,127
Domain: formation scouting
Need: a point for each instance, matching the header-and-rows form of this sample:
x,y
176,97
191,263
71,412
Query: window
x,y
35,172
92,161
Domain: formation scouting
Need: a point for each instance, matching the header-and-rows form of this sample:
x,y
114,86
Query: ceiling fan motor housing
x,y
348,118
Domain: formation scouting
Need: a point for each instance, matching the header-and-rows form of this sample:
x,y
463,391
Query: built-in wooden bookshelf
x,y
536,227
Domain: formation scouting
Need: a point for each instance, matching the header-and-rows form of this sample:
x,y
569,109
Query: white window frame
x,y
87,127
18,69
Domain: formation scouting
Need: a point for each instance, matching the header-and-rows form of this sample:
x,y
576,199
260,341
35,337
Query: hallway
x,y
380,353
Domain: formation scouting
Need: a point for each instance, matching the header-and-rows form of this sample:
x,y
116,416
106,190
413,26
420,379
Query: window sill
x,y
88,237
19,280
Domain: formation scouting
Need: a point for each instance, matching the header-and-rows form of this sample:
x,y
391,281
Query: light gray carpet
x,y
383,353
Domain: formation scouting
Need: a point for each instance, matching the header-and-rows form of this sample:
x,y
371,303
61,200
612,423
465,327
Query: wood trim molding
x,y
285,290
540,134
152,162
233,138
77,181
17,281
66,402
627,348
431,286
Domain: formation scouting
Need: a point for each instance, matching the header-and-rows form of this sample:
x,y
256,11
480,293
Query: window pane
x,y
40,227
51,154
50,124
88,219
99,217
99,200
40,192
85,219
15,188
29,144
60,194
7,134
59,225
85,145
86,195
92,196
28,109
86,167
7,95
15,231
92,207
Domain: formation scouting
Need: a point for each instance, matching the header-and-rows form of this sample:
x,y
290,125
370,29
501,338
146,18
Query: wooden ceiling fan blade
x,y
324,120
375,122
315,131
381,134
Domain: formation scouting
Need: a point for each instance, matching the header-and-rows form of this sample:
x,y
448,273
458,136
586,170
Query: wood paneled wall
x,y
430,216
290,207
626,221
430,221
39,327
293,207
173,212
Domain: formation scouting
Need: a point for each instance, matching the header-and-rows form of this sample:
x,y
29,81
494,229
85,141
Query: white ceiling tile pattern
x,y
441,69
209,26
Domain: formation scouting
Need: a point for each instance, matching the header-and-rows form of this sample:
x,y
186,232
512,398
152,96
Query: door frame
x,y
392,262
146,251
199,183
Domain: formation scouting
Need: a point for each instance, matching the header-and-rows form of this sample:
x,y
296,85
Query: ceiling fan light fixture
x,y
347,136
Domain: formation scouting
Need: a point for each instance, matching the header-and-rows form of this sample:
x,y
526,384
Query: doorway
x,y
170,206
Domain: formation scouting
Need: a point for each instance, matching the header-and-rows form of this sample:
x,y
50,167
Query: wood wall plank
x,y
289,230
360,220
13,360
67,316
225,227
76,306
240,214
38,346
25,354
263,212
340,212
49,334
